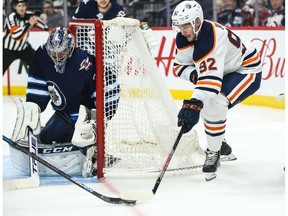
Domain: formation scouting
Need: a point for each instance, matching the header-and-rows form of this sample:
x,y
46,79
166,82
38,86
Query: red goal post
x,y
96,49
136,116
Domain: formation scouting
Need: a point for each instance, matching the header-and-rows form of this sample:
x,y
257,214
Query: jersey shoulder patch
x,y
85,64
206,41
85,59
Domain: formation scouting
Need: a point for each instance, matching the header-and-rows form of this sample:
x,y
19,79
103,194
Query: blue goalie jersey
x,y
67,90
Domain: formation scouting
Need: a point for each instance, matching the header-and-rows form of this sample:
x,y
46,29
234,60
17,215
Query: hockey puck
x,y
131,203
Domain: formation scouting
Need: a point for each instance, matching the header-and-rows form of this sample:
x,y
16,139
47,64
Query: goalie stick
x,y
107,199
150,195
33,180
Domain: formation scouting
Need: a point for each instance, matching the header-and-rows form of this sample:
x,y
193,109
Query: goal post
x,y
86,39
136,117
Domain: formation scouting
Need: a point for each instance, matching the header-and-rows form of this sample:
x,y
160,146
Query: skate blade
x,y
229,157
210,176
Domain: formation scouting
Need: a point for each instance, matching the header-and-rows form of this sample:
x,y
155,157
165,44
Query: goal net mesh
x,y
140,116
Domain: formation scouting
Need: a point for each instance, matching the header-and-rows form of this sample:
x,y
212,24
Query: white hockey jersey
x,y
217,52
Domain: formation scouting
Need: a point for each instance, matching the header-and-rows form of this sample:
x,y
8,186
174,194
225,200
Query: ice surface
x,y
253,185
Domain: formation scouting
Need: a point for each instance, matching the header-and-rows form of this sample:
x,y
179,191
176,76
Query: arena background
x,y
270,42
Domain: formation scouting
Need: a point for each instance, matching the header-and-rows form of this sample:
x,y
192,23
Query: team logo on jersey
x,y
121,14
85,64
100,16
56,95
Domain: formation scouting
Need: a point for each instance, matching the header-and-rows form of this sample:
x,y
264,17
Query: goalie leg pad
x,y
64,156
28,115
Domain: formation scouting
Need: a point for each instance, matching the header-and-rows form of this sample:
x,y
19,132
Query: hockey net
x,y
139,137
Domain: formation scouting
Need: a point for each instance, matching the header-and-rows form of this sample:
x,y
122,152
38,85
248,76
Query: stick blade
x,y
14,184
139,196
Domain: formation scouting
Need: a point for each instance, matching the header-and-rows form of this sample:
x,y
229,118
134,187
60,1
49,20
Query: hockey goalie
x,y
64,75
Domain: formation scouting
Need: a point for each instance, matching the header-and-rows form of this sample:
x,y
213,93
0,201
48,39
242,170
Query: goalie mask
x,y
187,12
60,46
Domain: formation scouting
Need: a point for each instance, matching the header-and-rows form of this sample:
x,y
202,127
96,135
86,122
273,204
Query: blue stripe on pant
x,y
232,80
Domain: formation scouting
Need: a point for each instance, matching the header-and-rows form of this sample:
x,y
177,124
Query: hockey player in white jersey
x,y
224,69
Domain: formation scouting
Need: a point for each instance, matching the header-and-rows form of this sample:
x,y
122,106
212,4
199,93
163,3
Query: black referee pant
x,y
10,55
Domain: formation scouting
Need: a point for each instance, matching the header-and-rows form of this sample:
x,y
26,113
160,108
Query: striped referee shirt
x,y
16,31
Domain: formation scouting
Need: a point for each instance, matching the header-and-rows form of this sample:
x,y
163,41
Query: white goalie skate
x,y
89,167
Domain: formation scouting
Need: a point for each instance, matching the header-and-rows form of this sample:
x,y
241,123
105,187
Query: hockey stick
x,y
107,199
33,180
150,195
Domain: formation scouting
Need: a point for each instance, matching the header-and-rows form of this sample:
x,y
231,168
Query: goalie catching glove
x,y
85,138
85,128
189,114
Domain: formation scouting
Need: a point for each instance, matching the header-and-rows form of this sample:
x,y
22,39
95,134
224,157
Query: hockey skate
x,y
226,152
212,162
89,167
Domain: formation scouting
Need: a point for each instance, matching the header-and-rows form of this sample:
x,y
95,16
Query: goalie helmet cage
x,y
136,118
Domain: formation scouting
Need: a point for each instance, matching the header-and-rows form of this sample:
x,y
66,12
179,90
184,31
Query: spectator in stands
x,y
75,2
16,34
250,7
232,15
100,9
277,13
35,2
219,7
59,3
207,6
51,16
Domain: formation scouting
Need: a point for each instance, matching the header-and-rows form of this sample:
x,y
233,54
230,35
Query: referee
x,y
16,33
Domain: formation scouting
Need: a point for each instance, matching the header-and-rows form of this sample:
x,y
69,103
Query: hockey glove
x,y
85,128
194,77
189,113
